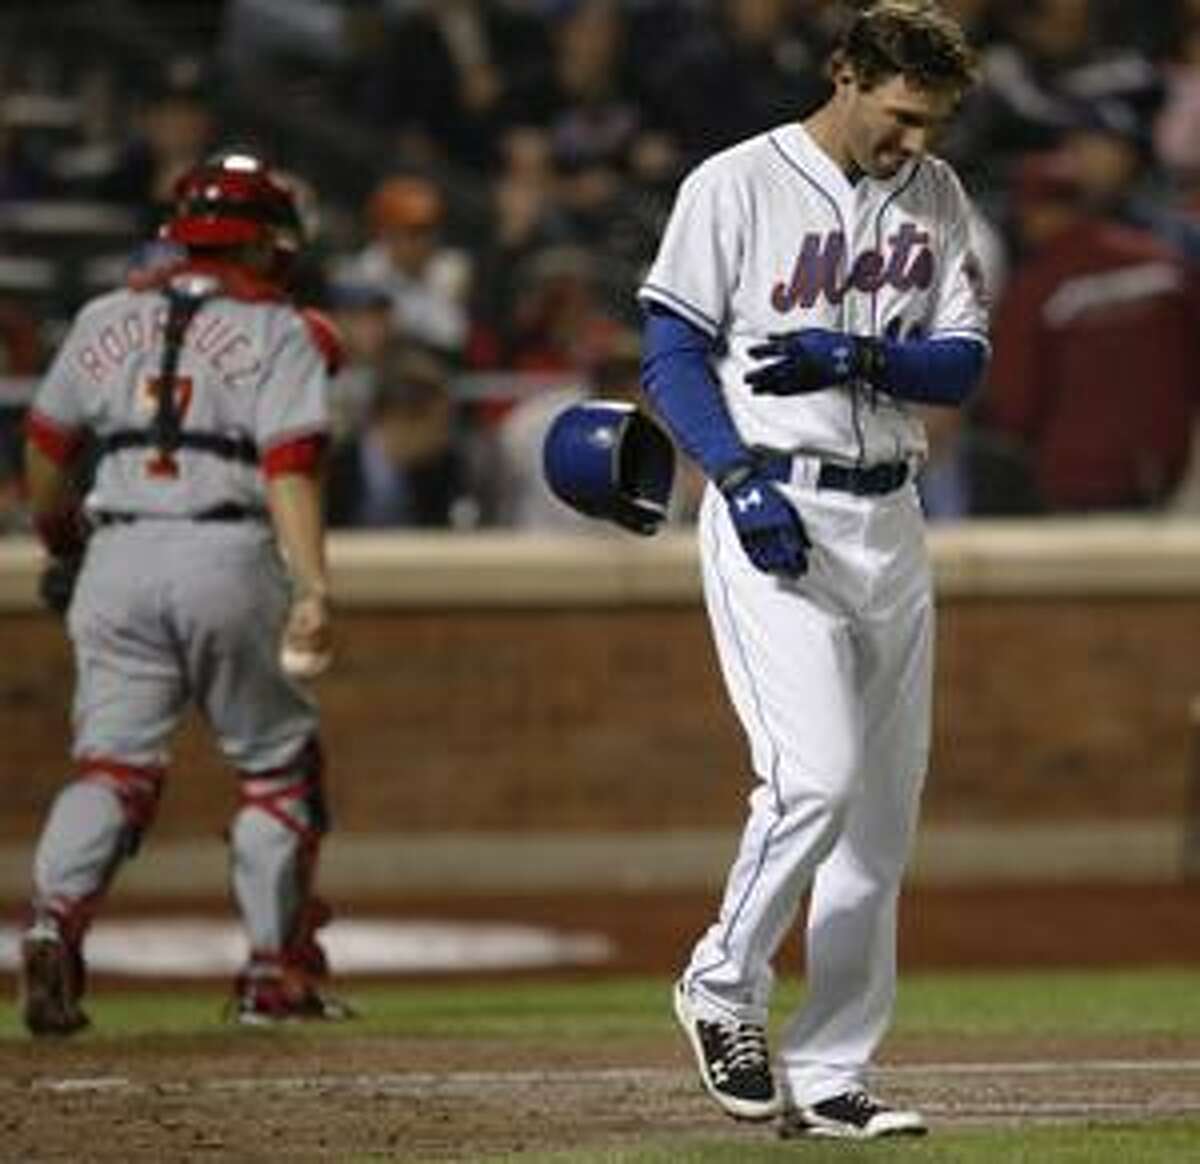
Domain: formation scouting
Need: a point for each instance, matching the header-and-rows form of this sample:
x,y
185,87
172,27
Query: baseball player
x,y
203,391
813,283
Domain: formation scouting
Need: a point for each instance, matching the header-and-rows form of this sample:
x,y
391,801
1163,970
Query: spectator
x,y
557,322
1177,128
175,128
752,67
447,77
1096,352
526,217
1111,154
1035,77
428,282
973,472
362,314
406,468
274,34
603,148
521,498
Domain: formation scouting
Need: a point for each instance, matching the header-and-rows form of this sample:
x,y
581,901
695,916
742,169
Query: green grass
x,y
1068,1005
965,1005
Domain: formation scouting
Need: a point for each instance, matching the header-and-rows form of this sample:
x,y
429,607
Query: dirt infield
x,y
250,1096
262,1098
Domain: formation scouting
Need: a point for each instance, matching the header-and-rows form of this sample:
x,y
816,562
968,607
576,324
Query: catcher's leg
x,y
96,822
275,840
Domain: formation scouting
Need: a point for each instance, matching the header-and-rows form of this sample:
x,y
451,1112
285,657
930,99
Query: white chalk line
x,y
416,1084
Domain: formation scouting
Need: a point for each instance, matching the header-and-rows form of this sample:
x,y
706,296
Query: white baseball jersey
x,y
829,673
770,236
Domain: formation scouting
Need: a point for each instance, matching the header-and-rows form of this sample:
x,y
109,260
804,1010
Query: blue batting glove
x,y
767,524
809,360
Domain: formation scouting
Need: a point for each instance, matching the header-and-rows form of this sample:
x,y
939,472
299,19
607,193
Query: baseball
x,y
299,664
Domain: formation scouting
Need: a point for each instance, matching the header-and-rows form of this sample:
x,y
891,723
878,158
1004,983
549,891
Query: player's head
x,y
234,204
899,70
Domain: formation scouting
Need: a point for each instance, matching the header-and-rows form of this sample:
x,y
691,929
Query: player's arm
x,y
54,504
293,476
293,437
54,507
679,381
296,510
925,371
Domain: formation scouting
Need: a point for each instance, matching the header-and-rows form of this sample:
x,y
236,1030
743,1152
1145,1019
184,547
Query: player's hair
x,y
914,39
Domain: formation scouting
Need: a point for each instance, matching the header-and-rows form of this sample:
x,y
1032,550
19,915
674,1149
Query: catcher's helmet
x,y
608,460
234,198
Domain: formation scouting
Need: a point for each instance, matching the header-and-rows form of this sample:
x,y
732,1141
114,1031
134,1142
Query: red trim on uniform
x,y
305,768
298,455
119,770
57,441
272,803
328,338
138,788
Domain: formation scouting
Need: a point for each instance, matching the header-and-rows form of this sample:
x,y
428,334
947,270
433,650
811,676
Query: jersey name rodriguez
x,y
226,347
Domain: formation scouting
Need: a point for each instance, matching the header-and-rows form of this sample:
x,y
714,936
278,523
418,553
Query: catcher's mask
x,y
234,199
608,460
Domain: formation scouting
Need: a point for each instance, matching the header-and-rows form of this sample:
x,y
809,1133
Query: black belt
x,y
867,481
861,480
229,511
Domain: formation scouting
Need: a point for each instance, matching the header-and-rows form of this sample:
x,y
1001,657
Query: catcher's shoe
x,y
265,1001
733,1062
51,983
852,1115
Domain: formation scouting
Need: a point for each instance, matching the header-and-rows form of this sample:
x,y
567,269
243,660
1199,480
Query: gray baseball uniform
x,y
183,594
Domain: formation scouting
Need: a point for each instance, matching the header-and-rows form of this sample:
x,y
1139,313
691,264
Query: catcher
x,y
203,391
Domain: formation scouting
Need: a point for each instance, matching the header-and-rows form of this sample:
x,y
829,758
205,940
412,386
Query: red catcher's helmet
x,y
231,199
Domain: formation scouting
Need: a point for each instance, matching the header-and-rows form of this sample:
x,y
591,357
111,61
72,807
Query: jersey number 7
x,y
161,464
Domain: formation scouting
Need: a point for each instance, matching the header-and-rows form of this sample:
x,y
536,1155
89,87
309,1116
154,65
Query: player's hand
x,y
307,647
767,525
810,360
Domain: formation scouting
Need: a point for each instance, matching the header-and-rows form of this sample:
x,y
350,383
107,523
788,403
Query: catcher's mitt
x,y
57,583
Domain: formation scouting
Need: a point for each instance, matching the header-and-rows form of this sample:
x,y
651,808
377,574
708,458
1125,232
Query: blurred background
x,y
485,182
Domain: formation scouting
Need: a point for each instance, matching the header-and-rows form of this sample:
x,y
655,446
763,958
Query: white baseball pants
x,y
831,679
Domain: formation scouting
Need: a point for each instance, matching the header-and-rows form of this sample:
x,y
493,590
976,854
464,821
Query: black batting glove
x,y
812,359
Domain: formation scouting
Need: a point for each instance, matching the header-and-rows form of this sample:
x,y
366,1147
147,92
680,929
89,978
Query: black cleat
x,y
852,1115
733,1062
50,984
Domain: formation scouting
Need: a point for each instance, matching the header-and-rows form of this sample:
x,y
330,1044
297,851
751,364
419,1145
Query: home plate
x,y
198,947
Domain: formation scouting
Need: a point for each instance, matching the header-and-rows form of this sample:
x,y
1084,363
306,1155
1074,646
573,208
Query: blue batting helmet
x,y
608,460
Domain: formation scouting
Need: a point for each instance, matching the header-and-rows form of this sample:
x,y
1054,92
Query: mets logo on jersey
x,y
906,263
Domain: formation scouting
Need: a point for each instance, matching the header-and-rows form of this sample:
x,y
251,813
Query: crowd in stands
x,y
485,182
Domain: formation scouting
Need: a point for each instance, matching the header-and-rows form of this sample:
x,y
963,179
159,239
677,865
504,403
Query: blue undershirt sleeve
x,y
679,381
932,371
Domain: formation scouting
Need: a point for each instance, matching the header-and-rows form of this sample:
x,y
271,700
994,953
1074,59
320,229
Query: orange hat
x,y
404,202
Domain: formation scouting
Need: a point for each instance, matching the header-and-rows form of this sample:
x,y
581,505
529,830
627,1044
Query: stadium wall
x,y
496,684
